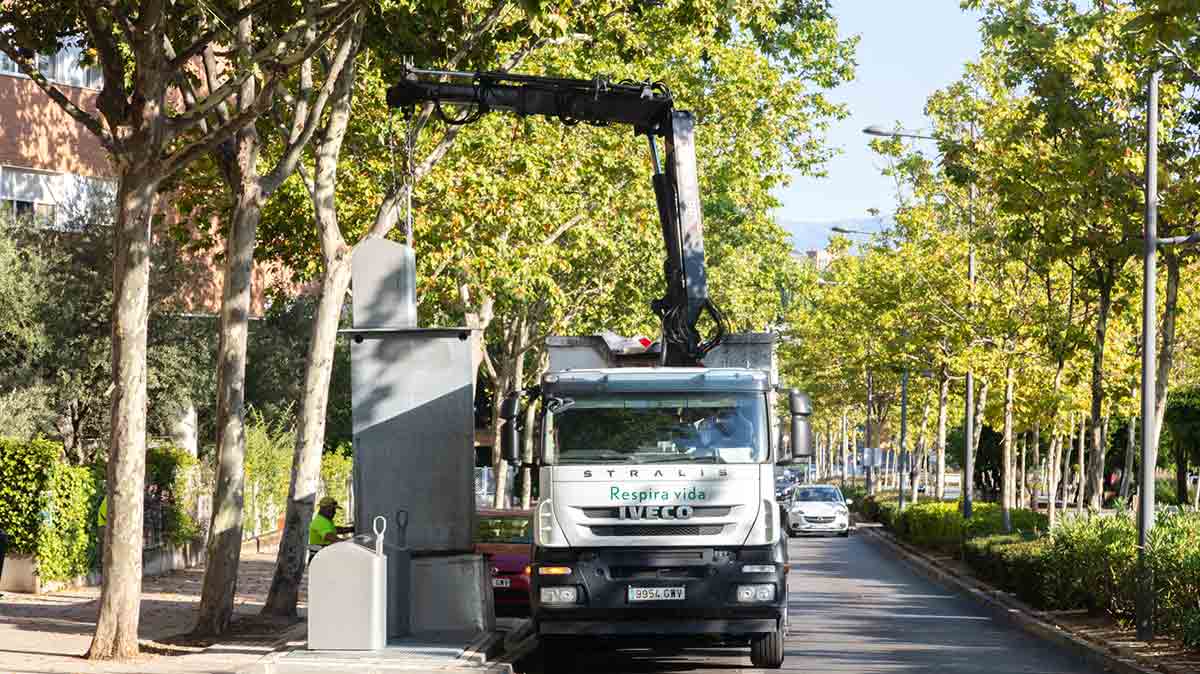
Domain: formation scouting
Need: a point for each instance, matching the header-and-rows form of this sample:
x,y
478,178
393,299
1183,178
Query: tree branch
x,y
208,142
261,57
306,121
206,38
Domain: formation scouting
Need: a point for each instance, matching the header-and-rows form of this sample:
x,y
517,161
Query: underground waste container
x,y
347,595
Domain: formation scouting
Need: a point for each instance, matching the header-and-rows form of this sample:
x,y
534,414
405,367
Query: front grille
x,y
645,573
818,520
664,530
697,511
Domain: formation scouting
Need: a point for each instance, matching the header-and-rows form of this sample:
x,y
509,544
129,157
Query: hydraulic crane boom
x,y
650,110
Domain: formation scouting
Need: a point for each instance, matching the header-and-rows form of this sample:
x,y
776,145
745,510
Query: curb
x,y
480,652
1008,609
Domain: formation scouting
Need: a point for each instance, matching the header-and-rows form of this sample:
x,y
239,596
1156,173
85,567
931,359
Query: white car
x,y
817,509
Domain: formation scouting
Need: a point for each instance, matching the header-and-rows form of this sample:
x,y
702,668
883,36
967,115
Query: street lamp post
x,y
903,467
1145,598
867,437
968,482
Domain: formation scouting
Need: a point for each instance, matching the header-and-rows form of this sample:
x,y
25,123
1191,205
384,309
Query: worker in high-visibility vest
x,y
322,531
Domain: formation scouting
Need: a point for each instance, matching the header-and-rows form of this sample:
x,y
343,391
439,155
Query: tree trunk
x,y
1181,472
116,635
310,439
512,377
1037,462
1052,480
943,399
225,537
1095,470
1020,474
1166,356
1068,461
1127,471
980,406
318,367
1081,491
527,455
1008,481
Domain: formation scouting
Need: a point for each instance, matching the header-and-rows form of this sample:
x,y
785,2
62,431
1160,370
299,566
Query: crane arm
x,y
650,110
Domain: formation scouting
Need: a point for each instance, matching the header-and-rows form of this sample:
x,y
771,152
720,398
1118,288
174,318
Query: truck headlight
x,y
752,593
560,595
546,532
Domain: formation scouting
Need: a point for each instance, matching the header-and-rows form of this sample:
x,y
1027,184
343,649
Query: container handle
x,y
379,525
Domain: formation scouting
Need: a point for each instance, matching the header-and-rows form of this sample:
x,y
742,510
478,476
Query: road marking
x,y
938,617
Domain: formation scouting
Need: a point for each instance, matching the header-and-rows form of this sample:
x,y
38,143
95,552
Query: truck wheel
x,y
766,652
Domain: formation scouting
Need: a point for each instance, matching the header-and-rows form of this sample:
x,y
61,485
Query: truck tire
x,y
766,651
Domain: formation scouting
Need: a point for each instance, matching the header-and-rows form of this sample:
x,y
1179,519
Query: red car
x,y
505,537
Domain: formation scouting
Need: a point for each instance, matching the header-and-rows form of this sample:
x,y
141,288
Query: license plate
x,y
656,594
501,582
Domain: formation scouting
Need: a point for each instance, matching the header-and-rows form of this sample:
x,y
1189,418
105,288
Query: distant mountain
x,y
810,234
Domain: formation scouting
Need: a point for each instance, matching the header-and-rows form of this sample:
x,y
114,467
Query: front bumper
x,y
709,576
798,524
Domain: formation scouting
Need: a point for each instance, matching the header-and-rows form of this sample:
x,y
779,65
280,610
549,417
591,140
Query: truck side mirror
x,y
510,433
801,408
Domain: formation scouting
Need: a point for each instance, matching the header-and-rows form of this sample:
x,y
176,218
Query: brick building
x,y
53,168
49,164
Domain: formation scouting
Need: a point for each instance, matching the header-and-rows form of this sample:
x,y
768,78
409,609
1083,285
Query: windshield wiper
x,y
684,458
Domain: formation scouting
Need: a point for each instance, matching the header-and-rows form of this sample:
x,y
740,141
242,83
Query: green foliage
x,y
336,467
940,524
26,476
55,312
1091,563
67,541
269,446
48,508
277,351
1190,634
1165,491
1013,562
935,525
171,477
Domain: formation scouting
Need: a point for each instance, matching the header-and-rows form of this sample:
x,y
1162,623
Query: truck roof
x,y
656,380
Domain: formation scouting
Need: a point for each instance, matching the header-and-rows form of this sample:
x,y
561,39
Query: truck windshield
x,y
658,428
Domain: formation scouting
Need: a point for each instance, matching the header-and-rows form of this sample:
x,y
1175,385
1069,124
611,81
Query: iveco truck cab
x,y
656,514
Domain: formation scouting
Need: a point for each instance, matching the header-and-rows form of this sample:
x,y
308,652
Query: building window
x,y
58,200
65,67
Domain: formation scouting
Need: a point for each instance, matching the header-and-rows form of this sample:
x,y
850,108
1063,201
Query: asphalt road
x,y
854,608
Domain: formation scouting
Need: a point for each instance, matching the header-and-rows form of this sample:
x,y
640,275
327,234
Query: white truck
x,y
656,515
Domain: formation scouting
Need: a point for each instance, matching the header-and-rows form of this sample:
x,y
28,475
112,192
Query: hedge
x,y
48,508
26,472
939,524
1086,562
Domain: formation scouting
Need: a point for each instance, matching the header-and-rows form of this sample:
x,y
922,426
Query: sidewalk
x,y
48,634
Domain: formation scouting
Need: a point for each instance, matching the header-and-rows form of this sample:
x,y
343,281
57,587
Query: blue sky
x,y
907,50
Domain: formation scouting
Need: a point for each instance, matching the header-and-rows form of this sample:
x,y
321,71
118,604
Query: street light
x,y
878,130
1145,598
843,230
968,488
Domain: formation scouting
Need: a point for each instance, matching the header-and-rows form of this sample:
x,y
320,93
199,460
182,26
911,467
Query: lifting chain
x,y
409,168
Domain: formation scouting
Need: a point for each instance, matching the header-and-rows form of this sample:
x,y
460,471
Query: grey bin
x,y
347,595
